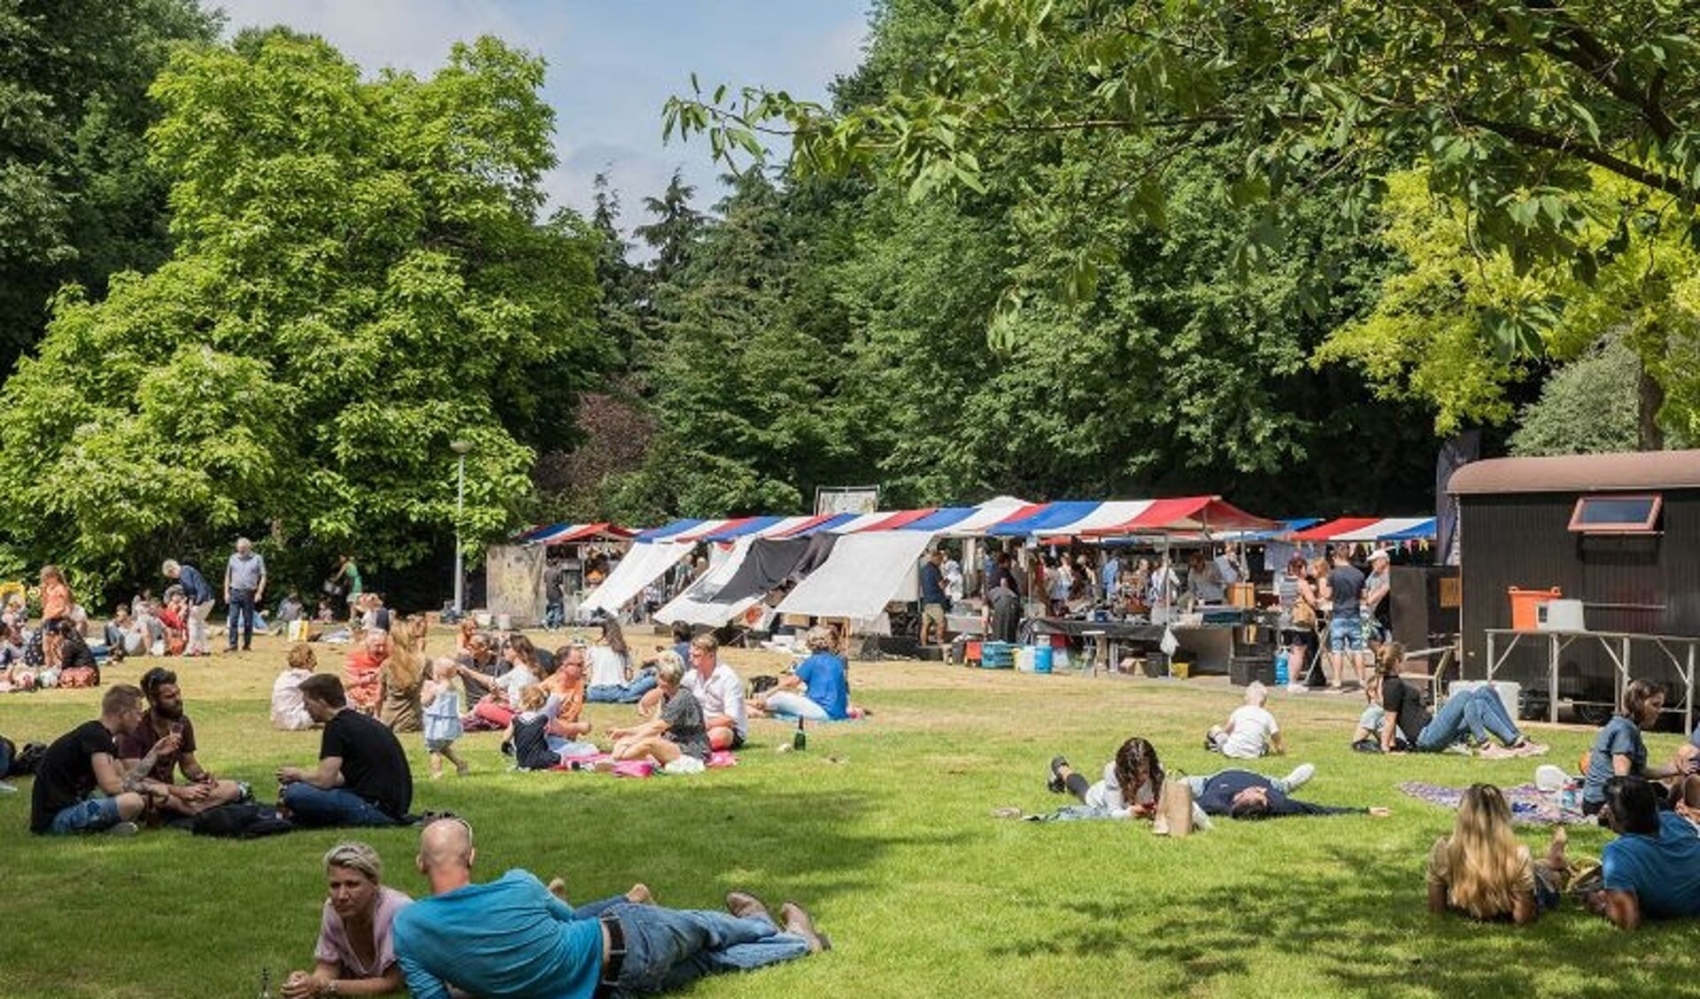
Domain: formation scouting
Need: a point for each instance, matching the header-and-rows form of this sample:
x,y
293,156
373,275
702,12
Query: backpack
x,y
15,762
240,821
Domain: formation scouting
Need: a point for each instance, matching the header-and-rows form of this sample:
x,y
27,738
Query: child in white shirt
x,y
1251,730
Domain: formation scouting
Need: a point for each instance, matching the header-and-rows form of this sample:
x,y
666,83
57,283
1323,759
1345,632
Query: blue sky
x,y
612,63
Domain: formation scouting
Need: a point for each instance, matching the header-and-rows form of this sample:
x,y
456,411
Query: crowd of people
x,y
139,762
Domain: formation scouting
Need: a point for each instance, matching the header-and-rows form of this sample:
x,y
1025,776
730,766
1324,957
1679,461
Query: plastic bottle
x,y
265,983
1281,668
800,741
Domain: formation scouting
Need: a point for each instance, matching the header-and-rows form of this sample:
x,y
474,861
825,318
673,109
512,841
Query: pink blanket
x,y
637,768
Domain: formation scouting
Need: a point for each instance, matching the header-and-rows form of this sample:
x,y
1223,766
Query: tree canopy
x,y
359,278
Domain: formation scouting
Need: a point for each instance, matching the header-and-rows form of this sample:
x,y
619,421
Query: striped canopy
x,y
1370,529
1119,517
561,534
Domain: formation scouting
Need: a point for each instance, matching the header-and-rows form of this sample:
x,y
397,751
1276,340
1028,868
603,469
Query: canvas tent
x,y
864,572
642,565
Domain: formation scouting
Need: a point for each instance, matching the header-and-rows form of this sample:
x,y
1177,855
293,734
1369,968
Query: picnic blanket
x,y
1530,806
636,768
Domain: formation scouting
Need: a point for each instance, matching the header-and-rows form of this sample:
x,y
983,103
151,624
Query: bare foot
x,y
639,894
461,769
1555,849
436,775
558,888
1379,812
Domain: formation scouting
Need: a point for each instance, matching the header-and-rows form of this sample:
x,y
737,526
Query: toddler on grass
x,y
441,700
1251,730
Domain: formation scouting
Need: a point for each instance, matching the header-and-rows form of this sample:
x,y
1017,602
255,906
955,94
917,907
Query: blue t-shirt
x,y
828,685
932,583
1664,873
508,937
1619,737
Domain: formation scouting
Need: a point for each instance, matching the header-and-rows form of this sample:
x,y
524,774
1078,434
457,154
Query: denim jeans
x,y
315,806
669,948
1472,714
793,705
628,693
242,609
88,815
554,614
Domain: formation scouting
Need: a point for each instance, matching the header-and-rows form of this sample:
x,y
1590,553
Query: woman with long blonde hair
x,y
402,676
1482,870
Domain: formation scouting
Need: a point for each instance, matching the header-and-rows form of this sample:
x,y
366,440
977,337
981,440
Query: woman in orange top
x,y
55,607
362,669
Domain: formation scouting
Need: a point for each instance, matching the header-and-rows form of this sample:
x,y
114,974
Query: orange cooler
x,y
1525,613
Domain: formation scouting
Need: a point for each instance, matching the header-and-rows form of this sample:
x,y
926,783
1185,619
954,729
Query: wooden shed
x,y
1618,532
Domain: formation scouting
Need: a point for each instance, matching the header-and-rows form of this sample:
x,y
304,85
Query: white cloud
x,y
403,34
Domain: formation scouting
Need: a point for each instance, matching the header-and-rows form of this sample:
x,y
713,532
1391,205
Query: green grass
x,y
882,829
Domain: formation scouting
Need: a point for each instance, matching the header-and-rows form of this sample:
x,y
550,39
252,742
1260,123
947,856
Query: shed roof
x,y
1579,473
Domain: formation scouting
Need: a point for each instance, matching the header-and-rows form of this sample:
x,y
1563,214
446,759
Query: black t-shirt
x,y
1345,588
66,773
1405,703
373,764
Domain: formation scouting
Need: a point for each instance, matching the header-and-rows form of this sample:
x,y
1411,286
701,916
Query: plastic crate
x,y
997,655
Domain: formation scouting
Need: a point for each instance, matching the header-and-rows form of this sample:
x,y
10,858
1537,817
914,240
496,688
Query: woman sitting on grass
x,y
676,738
354,955
1619,751
1482,871
818,688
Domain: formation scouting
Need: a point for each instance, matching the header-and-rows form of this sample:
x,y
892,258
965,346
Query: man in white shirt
x,y
720,692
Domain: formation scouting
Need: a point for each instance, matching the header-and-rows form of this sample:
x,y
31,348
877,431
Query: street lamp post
x,y
460,448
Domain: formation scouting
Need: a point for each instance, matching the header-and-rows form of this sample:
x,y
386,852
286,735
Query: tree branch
x,y
1525,135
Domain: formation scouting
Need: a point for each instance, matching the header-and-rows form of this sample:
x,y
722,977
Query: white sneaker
x,y
1300,776
125,828
6,788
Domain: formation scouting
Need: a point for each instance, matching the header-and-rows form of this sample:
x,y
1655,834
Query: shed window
x,y
1616,514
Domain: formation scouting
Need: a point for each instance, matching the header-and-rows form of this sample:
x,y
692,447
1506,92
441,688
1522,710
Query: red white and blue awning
x,y
1365,529
562,534
1121,517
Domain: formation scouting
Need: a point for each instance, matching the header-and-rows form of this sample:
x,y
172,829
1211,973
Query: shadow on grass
x,y
1355,926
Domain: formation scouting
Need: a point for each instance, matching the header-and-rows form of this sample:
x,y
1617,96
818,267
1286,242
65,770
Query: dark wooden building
x,y
1619,532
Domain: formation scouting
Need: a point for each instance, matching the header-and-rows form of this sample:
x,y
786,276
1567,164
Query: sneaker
x,y
1495,752
798,922
1300,776
6,788
1527,748
1056,785
125,828
1297,688
1458,749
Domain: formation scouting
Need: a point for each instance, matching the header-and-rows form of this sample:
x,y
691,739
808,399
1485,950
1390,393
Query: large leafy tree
x,y
78,198
359,278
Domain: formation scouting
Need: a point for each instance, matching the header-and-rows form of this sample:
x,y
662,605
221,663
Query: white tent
x,y
697,604
642,565
863,573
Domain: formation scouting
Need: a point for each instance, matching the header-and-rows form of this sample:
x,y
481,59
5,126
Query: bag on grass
x,y
1174,810
241,822
760,685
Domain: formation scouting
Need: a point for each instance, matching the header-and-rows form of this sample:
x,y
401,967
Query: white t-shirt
x,y
1252,728
607,669
721,694
289,710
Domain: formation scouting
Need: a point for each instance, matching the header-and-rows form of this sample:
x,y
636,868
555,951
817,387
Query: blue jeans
x,y
793,705
89,815
1472,714
669,948
554,614
242,609
314,806
628,693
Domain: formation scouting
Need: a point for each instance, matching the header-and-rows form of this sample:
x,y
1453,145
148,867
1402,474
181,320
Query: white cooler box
x,y
1507,690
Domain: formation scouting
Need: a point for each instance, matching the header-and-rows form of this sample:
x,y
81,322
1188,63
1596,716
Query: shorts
x,y
91,815
934,613
1346,633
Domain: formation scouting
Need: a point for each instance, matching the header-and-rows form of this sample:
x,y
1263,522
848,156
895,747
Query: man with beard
x,y
164,718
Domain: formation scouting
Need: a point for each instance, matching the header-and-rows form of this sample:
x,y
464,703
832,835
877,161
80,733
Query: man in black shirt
x,y
1344,586
85,759
362,778
1241,794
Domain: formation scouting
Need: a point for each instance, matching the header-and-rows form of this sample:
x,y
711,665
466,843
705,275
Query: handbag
x,y
1174,810
1304,615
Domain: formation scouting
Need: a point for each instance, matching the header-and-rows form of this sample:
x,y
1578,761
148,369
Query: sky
x,y
612,64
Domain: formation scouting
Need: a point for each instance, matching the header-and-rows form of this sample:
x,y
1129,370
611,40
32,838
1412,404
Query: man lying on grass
x,y
512,937
1652,869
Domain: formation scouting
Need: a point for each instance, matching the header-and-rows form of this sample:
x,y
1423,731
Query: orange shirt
x,y
572,696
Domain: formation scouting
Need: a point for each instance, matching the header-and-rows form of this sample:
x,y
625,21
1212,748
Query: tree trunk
x,y
1652,399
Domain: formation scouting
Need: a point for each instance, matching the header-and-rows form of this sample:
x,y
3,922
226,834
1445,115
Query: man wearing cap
x,y
512,937
1377,619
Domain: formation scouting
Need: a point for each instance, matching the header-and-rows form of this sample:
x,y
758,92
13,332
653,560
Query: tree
x,y
358,279
1587,407
1514,100
78,199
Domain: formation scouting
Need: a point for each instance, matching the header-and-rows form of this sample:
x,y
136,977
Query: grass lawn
x,y
882,828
